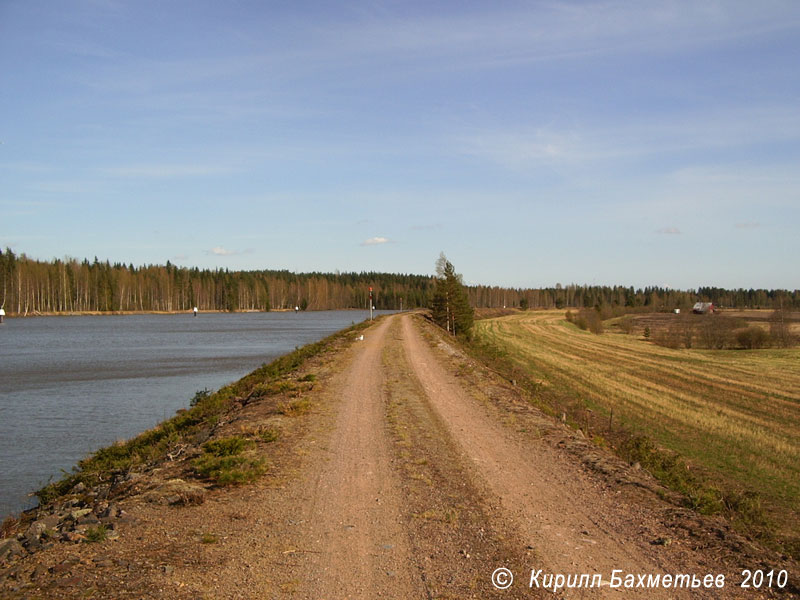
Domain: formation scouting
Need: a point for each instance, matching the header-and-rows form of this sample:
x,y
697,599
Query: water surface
x,y
70,385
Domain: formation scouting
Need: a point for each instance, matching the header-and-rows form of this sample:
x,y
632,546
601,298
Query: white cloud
x,y
220,251
669,231
374,241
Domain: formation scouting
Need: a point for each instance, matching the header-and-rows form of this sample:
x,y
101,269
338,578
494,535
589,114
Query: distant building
x,y
702,308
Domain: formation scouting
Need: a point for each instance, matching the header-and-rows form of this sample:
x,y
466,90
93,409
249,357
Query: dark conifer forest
x,y
29,286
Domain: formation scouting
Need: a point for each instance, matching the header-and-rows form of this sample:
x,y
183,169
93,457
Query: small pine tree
x,y
450,307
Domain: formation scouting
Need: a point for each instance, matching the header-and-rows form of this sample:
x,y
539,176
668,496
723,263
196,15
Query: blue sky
x,y
635,143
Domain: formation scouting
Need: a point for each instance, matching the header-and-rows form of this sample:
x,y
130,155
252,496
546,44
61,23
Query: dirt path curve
x,y
573,526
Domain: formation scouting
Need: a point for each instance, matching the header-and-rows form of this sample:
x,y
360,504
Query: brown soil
x,y
415,473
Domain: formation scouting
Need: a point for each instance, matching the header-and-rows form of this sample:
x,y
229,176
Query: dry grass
x,y
733,414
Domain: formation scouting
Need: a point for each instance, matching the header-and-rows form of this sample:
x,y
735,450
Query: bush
x,y
626,325
717,332
269,435
230,446
199,396
97,534
223,463
779,332
752,338
592,319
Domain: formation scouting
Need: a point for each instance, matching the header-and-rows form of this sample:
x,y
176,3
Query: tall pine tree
x,y
450,307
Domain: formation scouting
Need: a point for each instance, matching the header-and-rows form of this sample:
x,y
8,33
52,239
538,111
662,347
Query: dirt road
x,y
417,474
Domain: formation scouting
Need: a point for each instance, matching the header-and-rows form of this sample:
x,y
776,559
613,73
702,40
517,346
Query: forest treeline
x,y
31,286
644,299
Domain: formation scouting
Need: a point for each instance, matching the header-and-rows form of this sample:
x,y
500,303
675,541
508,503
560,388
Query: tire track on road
x,y
357,545
548,502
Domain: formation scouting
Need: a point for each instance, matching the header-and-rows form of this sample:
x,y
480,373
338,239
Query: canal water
x,y
70,385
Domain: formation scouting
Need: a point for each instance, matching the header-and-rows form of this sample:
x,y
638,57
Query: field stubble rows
x,y
732,414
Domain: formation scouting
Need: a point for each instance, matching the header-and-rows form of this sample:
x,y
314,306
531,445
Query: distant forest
x,y
32,286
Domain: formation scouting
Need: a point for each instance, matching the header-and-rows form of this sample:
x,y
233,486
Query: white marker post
x,y
195,311
2,315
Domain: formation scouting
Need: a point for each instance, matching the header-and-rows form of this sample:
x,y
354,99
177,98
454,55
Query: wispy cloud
x,y
749,225
574,144
553,30
427,227
515,150
669,231
374,241
166,171
222,251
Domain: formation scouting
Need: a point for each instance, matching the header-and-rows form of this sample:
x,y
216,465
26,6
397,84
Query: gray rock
x,y
32,544
88,519
176,491
35,531
10,549
112,511
50,521
77,514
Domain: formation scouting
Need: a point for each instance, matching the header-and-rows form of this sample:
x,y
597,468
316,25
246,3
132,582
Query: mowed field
x,y
734,414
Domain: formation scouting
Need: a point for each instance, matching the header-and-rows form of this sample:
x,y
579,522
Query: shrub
x,y
223,463
626,325
779,332
752,337
96,534
295,407
230,446
716,332
229,470
199,396
589,318
269,435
